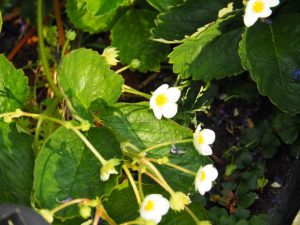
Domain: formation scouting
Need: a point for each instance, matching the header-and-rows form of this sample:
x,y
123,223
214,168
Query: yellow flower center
x,y
258,7
149,206
202,176
200,139
161,100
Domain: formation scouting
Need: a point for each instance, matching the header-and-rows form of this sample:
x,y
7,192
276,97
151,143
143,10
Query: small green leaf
x,y
185,19
16,165
66,168
85,78
245,199
286,128
13,87
131,36
272,57
197,55
82,18
164,5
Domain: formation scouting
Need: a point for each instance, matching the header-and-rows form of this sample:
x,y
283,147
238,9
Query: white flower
x,y
108,168
163,101
258,9
204,178
111,55
154,207
202,140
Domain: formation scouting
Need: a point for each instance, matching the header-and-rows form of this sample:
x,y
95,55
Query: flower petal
x,y
198,129
163,206
173,94
169,110
250,18
211,171
272,3
204,149
157,112
161,89
203,187
208,136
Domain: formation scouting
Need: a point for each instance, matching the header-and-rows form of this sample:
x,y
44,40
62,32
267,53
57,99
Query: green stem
x,y
42,49
122,69
140,181
64,48
131,90
195,218
68,203
166,144
164,183
132,182
66,124
173,166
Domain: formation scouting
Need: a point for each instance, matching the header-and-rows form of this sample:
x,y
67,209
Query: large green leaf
x,y
211,53
13,87
272,58
85,78
185,19
89,21
164,5
131,36
66,168
16,165
136,124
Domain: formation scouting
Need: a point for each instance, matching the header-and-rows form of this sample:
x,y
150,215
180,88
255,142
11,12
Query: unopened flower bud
x,y
47,214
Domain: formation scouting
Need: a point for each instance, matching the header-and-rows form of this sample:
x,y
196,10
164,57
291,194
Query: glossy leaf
x,y
185,19
82,18
16,165
136,124
66,168
273,60
98,8
164,5
197,55
13,87
131,36
85,78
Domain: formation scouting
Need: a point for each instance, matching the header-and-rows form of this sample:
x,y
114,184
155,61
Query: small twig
x,y
59,22
21,44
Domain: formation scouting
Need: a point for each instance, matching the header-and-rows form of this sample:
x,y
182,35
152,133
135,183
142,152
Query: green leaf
x,y
286,128
197,55
13,87
85,78
98,8
164,5
271,57
136,124
16,165
82,18
66,168
245,199
185,19
131,36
